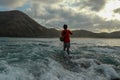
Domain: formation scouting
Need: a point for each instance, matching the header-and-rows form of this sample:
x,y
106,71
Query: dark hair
x,y
65,26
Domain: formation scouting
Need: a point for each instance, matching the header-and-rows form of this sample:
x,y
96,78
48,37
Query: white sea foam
x,y
32,59
108,71
58,72
13,73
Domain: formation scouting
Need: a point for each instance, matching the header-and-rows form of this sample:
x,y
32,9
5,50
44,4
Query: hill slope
x,y
18,24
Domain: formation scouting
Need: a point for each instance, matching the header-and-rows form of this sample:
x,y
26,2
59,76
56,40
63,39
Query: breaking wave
x,y
42,59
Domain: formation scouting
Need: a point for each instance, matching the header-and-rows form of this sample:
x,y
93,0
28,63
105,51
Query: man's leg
x,y
64,46
68,51
68,47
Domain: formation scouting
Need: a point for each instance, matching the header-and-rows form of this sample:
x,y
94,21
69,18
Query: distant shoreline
x,y
58,37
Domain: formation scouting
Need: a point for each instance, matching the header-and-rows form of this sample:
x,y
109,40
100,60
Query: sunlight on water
x,y
96,41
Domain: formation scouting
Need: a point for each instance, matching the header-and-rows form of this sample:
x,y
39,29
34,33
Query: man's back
x,y
66,34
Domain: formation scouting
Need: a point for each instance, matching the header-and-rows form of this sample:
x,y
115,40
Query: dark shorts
x,y
67,45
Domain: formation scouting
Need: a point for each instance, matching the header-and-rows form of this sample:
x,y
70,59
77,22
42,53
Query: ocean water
x,y
42,59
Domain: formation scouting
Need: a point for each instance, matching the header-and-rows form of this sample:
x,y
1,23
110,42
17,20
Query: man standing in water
x,y
66,35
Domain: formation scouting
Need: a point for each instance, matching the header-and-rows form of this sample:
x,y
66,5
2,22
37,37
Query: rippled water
x,y
42,59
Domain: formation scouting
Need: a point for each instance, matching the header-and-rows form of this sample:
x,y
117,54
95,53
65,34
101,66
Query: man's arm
x,y
70,32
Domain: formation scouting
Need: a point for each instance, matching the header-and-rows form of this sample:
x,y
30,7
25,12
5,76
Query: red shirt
x,y
66,34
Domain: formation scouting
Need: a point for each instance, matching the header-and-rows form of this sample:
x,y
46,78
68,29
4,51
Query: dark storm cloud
x,y
60,16
95,5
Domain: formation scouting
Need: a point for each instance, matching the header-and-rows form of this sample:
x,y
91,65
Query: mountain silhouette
x,y
17,24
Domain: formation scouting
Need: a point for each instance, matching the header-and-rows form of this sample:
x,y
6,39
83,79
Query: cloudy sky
x,y
92,15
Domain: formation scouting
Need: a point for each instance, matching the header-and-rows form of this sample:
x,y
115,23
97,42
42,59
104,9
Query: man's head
x,y
65,26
